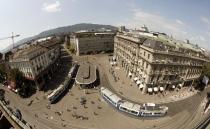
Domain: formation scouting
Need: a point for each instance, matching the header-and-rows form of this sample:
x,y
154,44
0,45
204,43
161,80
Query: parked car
x,y
18,114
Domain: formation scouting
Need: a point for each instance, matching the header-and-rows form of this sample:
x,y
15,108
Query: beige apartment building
x,y
38,60
92,42
157,62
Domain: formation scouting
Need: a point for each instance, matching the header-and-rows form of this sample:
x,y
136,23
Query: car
x,y
18,114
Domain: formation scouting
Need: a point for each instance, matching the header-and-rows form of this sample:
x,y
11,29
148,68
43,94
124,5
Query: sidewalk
x,y
128,89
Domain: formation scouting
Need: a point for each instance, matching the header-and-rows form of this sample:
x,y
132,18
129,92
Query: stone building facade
x,y
157,62
37,61
92,42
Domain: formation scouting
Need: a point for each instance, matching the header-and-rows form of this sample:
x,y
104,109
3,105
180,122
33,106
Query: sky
x,y
183,19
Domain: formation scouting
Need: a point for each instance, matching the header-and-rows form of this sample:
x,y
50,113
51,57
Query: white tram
x,y
145,110
72,70
55,94
63,87
110,97
130,108
151,109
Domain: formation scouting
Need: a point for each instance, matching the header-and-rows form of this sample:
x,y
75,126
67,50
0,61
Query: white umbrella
x,y
149,89
161,89
141,86
135,79
173,87
138,82
155,89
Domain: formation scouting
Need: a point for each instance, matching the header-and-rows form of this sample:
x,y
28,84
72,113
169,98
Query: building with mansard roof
x,y
38,60
157,62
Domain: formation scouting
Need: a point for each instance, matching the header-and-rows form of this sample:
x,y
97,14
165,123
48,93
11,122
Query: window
x,y
148,56
144,53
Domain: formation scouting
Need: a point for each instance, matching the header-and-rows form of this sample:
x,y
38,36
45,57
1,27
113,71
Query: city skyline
x,y
181,19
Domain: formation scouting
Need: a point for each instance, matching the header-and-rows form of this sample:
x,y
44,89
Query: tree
x,y
24,86
1,55
16,76
206,70
2,97
3,73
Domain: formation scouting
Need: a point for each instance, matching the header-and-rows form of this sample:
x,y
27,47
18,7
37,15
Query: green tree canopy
x,y
3,73
206,70
16,76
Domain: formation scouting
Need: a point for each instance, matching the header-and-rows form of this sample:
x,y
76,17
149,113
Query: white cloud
x,y
208,33
157,22
197,38
179,22
52,7
206,21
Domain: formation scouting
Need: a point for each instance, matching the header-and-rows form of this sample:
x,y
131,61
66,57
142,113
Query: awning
x,y
155,89
138,82
141,86
173,87
135,79
149,89
161,89
180,85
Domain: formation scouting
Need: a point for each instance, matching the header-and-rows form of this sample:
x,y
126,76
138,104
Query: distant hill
x,y
62,30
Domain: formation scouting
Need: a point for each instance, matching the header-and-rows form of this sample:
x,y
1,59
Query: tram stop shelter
x,y
86,75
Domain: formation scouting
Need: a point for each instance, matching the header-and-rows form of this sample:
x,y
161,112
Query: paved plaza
x,y
69,113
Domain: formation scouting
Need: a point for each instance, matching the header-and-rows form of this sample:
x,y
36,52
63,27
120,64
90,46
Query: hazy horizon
x,y
181,19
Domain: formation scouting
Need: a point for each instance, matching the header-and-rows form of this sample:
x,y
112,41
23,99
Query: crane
x,y
11,37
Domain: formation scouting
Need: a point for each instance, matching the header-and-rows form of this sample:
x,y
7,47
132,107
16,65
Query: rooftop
x,y
162,42
34,49
131,106
112,96
87,34
86,74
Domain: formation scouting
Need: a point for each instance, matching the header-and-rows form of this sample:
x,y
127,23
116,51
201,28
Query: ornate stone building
x,y
38,60
92,42
157,62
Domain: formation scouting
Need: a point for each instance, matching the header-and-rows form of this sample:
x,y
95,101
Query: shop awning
x,y
138,82
149,89
155,89
135,79
161,89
